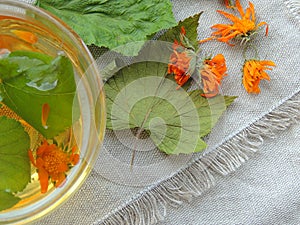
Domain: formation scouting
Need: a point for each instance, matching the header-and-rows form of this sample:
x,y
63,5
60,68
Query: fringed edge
x,y
294,7
150,206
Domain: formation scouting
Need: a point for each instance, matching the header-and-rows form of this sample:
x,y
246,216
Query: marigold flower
x,y
241,28
52,162
182,61
212,74
179,66
253,73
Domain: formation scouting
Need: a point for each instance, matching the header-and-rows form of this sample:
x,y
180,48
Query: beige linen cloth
x,y
249,174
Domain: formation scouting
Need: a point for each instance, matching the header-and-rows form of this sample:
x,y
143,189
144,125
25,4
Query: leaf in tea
x,y
30,80
14,160
8,200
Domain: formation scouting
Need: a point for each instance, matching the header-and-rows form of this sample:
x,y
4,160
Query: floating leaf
x,y
112,23
41,74
8,200
30,80
140,96
14,160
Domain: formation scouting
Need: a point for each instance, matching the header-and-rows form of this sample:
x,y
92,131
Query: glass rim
x,y
60,195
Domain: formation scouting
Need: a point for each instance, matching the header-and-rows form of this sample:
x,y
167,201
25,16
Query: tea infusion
x,y
37,91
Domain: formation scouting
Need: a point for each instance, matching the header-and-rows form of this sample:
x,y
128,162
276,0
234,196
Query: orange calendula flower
x,y
254,72
212,74
52,162
179,66
182,61
241,28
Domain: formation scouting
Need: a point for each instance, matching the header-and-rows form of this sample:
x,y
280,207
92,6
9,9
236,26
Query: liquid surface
x,y
17,34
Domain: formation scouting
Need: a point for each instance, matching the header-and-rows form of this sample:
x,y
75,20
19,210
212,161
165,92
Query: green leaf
x,y
8,200
140,96
112,23
32,55
210,109
41,71
33,79
8,69
190,24
14,160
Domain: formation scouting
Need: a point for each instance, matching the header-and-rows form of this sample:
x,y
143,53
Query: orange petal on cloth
x,y
241,27
254,72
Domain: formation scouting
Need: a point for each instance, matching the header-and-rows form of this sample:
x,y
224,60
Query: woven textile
x,y
262,128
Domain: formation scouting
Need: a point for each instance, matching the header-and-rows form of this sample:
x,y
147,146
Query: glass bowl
x,y
53,37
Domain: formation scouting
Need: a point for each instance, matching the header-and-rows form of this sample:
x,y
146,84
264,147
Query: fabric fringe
x,y
150,206
294,7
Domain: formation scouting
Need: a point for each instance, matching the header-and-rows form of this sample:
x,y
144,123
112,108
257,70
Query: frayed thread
x,y
150,206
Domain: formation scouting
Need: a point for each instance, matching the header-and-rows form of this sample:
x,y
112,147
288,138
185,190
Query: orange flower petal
x,y
42,148
43,177
74,159
268,63
253,73
267,27
248,14
62,167
182,30
58,179
229,16
252,11
179,65
40,162
61,180
31,158
26,36
241,27
45,114
212,74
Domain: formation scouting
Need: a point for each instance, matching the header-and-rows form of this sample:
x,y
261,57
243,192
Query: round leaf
x,y
140,96
14,160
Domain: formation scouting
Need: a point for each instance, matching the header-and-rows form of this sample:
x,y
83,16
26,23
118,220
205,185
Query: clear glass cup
x,y
55,37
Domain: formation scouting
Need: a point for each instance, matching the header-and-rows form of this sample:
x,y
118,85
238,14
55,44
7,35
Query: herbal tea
x,y
37,91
